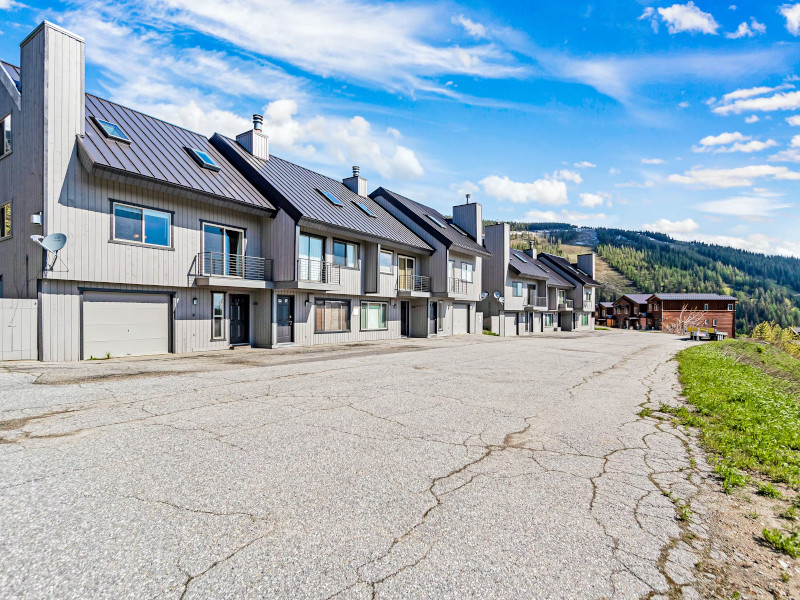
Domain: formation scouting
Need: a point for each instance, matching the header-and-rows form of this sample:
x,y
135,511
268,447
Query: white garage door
x,y
511,323
460,318
119,324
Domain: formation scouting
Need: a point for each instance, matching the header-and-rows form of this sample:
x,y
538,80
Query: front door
x,y
404,319
240,318
284,316
432,318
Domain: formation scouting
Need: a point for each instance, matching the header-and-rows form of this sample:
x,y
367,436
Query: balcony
x,y
457,286
538,301
565,305
316,271
220,269
413,285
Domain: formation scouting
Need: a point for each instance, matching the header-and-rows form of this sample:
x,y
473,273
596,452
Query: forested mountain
x,y
768,287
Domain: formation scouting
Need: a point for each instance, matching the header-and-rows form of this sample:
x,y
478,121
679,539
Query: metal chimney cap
x,y
258,121
356,170
468,197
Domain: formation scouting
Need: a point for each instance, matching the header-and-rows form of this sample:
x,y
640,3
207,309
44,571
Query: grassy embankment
x,y
745,399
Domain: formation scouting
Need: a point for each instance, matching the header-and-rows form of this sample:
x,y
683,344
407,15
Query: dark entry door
x,y
285,319
240,319
432,318
404,319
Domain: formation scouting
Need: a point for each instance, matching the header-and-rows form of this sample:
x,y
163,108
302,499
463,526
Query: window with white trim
x,y
730,307
217,316
705,306
373,316
142,225
467,272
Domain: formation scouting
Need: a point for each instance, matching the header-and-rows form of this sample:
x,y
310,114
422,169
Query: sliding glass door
x,y
312,258
223,249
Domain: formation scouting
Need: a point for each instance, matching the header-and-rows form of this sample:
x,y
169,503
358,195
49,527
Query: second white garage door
x,y
117,324
460,318
511,324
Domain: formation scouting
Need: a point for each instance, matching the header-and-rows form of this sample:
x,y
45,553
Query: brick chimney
x,y
356,183
254,141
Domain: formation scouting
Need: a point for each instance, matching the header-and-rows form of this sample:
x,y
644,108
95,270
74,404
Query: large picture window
x,y
5,221
345,254
142,225
373,316
217,316
331,315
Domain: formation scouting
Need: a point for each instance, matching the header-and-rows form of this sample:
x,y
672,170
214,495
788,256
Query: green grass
x,y
788,543
745,403
488,332
768,491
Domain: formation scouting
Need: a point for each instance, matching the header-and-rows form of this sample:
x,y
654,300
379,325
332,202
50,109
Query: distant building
x,y
674,312
604,314
630,312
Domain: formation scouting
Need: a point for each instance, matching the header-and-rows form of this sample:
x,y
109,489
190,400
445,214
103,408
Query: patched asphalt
x,y
468,467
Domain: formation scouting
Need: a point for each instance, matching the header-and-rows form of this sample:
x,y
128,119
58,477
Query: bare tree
x,y
687,318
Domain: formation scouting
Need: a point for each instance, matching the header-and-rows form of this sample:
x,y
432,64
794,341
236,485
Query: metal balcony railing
x,y
565,304
413,283
537,301
234,265
318,271
456,286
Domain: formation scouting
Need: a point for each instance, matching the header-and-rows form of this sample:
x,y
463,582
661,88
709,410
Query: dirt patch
x,y
738,563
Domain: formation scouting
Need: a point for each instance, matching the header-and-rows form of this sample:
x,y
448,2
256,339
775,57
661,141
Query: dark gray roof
x,y
448,235
157,152
607,304
692,297
567,267
553,278
636,298
526,265
13,72
294,189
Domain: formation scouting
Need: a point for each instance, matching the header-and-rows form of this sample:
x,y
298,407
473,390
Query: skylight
x,y
330,197
203,159
435,220
112,130
519,256
365,209
458,229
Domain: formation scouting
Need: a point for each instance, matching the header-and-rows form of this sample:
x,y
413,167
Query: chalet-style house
x,y
631,312
604,314
675,312
177,243
581,297
526,295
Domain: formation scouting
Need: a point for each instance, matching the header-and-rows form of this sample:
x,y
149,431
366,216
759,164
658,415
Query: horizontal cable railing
x,y
318,271
413,283
457,286
234,265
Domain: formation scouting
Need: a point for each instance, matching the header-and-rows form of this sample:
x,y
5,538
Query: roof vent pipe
x,y
356,170
258,122
468,197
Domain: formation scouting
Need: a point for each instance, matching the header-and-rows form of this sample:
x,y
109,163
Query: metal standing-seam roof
x,y
526,265
294,189
157,152
692,297
636,298
567,266
419,213
553,279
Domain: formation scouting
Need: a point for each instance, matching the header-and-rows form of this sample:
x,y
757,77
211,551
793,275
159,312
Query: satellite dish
x,y
52,243
497,295
484,294
501,300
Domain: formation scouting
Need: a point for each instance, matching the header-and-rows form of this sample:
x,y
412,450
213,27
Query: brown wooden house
x,y
676,312
604,314
630,312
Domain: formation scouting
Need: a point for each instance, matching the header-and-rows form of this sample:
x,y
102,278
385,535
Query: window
x,y
730,307
330,197
112,130
5,221
223,248
705,306
519,256
516,289
331,315
345,254
435,220
714,322
705,322
584,319
312,257
5,131
373,316
467,272
142,225
217,316
386,261
203,159
364,208
587,296
548,320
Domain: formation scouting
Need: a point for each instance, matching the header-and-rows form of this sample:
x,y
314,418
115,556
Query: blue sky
x,y
678,117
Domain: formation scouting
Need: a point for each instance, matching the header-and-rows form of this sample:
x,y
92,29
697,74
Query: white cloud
x,y
613,171
688,18
745,30
748,93
791,154
636,184
794,121
565,216
9,4
791,12
683,104
752,119
672,227
543,191
652,161
736,177
745,207
593,200
722,138
584,164
476,30
732,142
778,101
568,175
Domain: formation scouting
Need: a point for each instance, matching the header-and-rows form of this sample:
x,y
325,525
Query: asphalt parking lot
x,y
469,467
